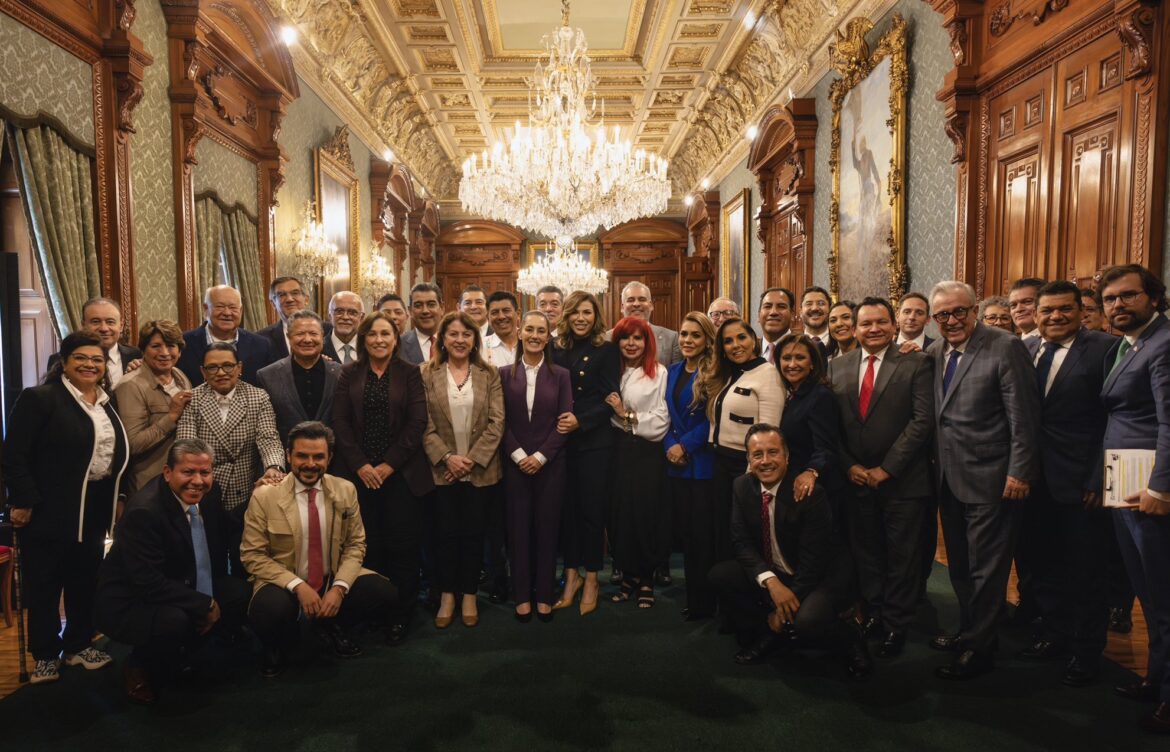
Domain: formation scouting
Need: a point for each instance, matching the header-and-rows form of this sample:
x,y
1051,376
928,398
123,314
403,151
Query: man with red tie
x,y
791,578
303,546
885,401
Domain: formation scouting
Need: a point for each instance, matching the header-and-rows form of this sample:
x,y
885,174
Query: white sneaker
x,y
46,671
90,658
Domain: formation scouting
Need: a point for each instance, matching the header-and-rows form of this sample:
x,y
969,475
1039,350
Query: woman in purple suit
x,y
536,392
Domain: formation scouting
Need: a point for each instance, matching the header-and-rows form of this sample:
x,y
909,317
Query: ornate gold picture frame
x,y
735,269
867,216
586,250
339,209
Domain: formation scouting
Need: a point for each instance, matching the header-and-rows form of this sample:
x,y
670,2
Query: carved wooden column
x,y
703,223
379,215
400,200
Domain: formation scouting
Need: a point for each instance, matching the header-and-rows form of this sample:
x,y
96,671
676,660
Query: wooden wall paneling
x,y
783,158
400,201
478,252
703,223
424,229
232,79
698,284
99,32
650,251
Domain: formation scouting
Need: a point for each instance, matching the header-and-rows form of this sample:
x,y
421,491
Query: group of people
x,y
334,472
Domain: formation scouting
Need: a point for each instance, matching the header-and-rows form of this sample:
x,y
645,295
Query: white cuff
x,y
341,584
1159,495
541,458
518,456
292,586
763,577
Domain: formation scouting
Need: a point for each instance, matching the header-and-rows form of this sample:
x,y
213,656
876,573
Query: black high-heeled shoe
x,y
523,618
546,618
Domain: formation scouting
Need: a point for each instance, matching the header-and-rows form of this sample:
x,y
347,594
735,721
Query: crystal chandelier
x,y
562,174
313,255
563,267
376,278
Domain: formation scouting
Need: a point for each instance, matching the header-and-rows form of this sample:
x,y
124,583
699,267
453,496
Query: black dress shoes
x,y
1120,621
616,576
139,690
757,651
662,577
271,662
335,636
858,664
1081,672
892,644
871,627
967,665
1141,691
946,643
1042,650
395,634
1158,722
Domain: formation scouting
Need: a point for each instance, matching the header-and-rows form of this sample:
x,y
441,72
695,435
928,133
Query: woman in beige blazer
x,y
465,407
152,399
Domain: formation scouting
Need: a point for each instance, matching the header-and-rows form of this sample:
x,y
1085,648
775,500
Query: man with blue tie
x,y
1136,396
165,584
987,408
1063,524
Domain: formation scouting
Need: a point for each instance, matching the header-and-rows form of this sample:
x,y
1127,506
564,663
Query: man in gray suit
x,y
426,311
1136,396
885,401
987,409
637,302
301,386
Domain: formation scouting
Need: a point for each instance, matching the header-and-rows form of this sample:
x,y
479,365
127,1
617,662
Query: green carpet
x,y
619,679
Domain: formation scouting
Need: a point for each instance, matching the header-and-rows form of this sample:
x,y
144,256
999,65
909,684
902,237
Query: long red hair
x,y
633,325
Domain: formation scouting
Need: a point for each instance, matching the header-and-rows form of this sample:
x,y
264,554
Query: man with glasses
x,y
986,413
426,311
775,316
346,310
1092,317
237,421
287,296
1022,304
224,311
1136,396
722,309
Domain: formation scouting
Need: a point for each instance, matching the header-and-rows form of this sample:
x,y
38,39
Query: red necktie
x,y
766,523
866,388
316,563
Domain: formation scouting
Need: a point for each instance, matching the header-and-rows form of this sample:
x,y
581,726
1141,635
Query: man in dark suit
x,y
103,317
224,311
637,302
815,303
913,316
1136,396
301,386
164,584
885,402
346,311
790,579
775,317
426,311
1063,527
287,296
987,410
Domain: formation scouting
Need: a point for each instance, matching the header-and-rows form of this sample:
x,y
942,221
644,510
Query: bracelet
x,y
815,474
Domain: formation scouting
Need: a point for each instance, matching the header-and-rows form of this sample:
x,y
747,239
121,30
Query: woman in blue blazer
x,y
690,462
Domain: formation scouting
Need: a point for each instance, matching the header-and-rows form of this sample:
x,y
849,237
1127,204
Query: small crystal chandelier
x,y
376,278
563,174
563,267
313,255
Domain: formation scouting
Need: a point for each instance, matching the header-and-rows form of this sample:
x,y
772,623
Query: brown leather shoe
x,y
138,686
1159,721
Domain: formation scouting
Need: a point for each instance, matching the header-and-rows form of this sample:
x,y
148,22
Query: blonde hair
x,y
572,303
701,320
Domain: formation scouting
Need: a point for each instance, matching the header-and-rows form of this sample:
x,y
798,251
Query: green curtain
x,y
208,242
241,240
56,184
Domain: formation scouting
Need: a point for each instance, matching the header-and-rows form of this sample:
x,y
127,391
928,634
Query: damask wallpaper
x,y
151,178
40,76
231,176
930,177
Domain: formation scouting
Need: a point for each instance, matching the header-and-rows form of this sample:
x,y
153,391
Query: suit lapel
x,y
884,374
287,502
851,362
1131,355
479,393
236,413
973,345
1070,362
331,375
439,385
289,390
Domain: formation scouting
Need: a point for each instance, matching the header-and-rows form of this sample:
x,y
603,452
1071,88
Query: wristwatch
x,y
815,474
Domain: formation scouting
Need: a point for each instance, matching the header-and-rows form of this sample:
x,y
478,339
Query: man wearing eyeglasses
x,y
722,309
223,310
987,409
237,421
287,296
346,310
1136,396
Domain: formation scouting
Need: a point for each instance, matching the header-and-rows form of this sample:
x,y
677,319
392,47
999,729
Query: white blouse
x,y
647,398
460,402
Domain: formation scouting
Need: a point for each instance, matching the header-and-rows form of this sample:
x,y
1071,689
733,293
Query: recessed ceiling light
x,y
288,35
388,155
689,200
752,132
749,20
705,183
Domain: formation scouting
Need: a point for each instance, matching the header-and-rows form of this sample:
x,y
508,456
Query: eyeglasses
x,y
721,314
960,314
350,312
220,367
1127,297
992,318
95,360
219,307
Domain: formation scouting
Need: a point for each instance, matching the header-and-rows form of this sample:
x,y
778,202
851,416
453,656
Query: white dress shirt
x,y
424,344
339,347
460,402
301,494
877,365
212,339
647,398
224,401
530,374
1057,359
823,337
766,351
920,340
114,365
104,438
498,353
1034,333
777,557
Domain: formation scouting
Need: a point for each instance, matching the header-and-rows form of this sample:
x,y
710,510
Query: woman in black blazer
x,y
64,457
595,371
809,424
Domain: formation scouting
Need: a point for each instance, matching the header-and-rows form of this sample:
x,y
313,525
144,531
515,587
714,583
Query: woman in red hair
x,y
641,419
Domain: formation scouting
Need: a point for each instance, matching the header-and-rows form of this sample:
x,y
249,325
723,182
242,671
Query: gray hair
x,y
213,288
994,300
636,283
306,315
187,448
339,293
950,287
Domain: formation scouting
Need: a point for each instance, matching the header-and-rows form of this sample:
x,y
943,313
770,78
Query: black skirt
x,y
639,473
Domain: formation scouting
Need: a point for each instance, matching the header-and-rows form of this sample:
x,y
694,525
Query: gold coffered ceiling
x,y
436,80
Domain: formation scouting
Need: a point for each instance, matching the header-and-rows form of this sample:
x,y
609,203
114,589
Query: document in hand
x,y
1127,472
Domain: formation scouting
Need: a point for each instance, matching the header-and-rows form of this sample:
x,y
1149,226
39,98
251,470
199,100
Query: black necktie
x,y
1044,366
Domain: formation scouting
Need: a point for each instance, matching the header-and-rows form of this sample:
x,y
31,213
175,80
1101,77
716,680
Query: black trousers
x,y
1145,545
726,469
495,555
233,528
534,516
48,569
274,611
697,522
884,538
1071,579
639,478
583,514
818,622
1120,592
928,542
393,520
460,518
980,539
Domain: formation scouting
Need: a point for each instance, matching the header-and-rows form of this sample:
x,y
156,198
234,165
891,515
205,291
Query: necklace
x,y
460,384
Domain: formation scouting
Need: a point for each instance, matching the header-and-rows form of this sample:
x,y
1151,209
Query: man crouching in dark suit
x,y
164,584
791,576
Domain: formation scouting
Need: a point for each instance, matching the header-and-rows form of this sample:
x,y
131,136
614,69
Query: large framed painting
x,y
537,252
338,209
734,265
867,161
